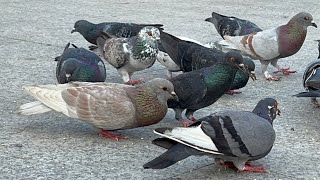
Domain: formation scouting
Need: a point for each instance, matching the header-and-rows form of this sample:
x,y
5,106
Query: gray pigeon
x,y
107,106
236,136
270,45
91,31
79,64
128,55
311,80
232,26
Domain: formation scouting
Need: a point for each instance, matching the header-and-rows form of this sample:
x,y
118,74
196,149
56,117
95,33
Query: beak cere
x,y
68,76
73,30
314,24
173,93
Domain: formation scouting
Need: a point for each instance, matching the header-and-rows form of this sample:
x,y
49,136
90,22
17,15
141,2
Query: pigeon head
x,y
303,18
235,59
250,66
69,67
150,32
267,108
163,88
81,26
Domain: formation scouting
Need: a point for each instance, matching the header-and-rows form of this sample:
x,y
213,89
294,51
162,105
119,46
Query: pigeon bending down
x,y
79,64
91,31
311,80
201,88
270,45
192,56
132,54
107,106
232,26
236,136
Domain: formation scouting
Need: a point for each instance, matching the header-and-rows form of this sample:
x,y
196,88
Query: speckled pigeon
x,y
311,80
107,106
270,45
91,31
236,136
201,88
128,55
232,26
79,64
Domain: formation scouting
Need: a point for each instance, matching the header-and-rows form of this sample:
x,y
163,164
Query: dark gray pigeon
x,y
129,55
311,80
232,26
79,64
236,136
201,88
91,31
270,45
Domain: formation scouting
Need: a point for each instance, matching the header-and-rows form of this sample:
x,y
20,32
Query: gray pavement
x,y
53,146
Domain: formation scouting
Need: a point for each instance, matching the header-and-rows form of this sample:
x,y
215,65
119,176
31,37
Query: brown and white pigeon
x,y
129,55
236,136
270,45
107,106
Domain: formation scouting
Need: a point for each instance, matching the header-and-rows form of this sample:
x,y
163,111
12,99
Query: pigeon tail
x,y
308,94
170,157
31,108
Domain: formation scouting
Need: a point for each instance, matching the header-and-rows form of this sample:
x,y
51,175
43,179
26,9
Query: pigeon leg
x,y
232,92
185,123
284,71
107,134
230,165
92,47
264,67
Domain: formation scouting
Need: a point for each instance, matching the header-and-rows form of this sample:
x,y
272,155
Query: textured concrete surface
x,y
52,146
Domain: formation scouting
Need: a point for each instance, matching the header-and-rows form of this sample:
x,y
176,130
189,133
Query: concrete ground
x,y
53,146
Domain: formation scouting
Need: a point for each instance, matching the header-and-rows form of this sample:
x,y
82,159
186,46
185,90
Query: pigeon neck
x,y
263,112
145,47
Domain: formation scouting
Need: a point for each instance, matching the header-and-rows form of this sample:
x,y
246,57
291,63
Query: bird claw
x,y
115,137
232,92
273,78
134,82
250,168
285,71
184,123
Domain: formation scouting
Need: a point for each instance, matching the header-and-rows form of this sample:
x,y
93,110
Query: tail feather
x,y
308,94
31,108
170,157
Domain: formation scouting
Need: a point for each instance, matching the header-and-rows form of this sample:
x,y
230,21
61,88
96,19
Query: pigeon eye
x,y
164,88
149,33
306,18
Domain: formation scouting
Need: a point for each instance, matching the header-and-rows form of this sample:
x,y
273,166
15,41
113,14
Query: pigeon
x,y
232,26
79,64
228,136
107,106
311,81
91,31
201,88
132,54
269,45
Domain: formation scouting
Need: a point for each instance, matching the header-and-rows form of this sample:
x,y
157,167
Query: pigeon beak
x,y
68,77
252,74
242,67
314,24
278,112
73,30
174,95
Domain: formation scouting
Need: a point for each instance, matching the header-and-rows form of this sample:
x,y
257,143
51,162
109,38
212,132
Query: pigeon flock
x,y
208,71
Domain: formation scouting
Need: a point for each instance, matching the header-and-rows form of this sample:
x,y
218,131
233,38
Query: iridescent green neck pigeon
x,y
270,45
228,136
91,31
128,55
107,106
79,64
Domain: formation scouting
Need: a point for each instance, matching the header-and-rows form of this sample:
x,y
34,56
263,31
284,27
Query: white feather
x,y
35,107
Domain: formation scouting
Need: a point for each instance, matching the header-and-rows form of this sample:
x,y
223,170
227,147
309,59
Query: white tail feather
x,y
35,107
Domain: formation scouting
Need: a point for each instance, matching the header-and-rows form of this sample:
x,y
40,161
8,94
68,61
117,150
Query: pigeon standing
x,y
311,80
201,88
91,31
79,64
236,136
128,55
270,45
232,26
107,106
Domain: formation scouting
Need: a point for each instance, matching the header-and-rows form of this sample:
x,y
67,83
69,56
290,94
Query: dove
x,y
201,88
129,55
268,46
232,26
311,80
91,31
79,64
107,106
228,136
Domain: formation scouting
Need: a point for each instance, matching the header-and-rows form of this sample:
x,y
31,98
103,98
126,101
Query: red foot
x,y
193,119
134,82
232,92
285,71
107,134
273,78
250,168
230,165
185,123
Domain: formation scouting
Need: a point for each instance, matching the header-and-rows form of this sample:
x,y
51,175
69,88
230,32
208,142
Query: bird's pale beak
x,y
278,111
314,24
68,77
242,67
252,74
174,95
73,30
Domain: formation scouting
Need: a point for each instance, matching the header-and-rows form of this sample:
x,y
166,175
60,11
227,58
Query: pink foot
x,y
107,134
250,168
184,123
134,82
194,119
285,71
273,78
232,92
